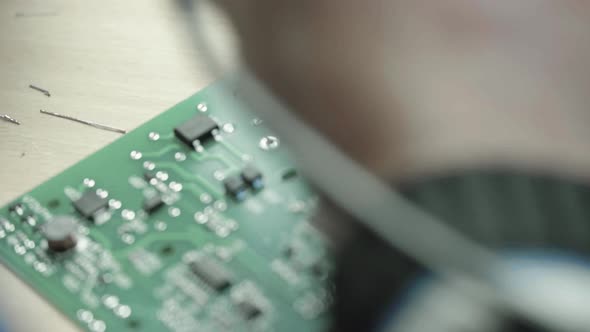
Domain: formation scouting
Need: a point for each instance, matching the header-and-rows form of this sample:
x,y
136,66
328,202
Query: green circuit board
x,y
195,221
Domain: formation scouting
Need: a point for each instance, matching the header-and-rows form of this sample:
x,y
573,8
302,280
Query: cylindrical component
x,y
60,233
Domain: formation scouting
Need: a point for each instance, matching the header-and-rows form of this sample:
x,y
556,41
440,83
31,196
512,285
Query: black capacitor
x,y
60,233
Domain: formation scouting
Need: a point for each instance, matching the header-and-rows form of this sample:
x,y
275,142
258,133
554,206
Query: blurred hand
x,y
410,87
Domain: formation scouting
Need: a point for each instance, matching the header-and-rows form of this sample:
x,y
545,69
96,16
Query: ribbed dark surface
x,y
501,210
504,210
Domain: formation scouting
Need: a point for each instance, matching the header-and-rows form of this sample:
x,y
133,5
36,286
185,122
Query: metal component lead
x,y
88,123
43,91
10,119
35,14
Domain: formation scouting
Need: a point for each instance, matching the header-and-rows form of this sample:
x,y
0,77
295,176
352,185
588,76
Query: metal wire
x,y
85,122
10,119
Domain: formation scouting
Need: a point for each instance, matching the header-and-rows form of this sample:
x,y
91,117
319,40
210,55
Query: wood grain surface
x,y
111,61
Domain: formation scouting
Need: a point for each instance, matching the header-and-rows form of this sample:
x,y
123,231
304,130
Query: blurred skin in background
x,y
415,87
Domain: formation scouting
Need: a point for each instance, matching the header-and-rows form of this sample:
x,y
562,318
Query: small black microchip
x,y
199,128
249,309
17,208
253,177
289,174
153,204
28,217
90,203
235,187
212,273
148,176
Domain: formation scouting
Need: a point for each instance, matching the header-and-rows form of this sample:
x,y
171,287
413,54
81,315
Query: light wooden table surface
x,y
111,61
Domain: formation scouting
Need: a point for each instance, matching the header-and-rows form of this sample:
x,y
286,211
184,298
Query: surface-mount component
x,y
289,174
249,309
60,233
90,203
148,176
212,273
235,187
29,219
253,177
17,208
153,204
199,128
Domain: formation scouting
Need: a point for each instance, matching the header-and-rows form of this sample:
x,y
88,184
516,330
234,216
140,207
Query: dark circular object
x,y
54,203
60,233
167,250
133,324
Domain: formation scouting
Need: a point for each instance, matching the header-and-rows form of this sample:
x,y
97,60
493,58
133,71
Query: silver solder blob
x,y
202,107
179,156
154,136
89,183
268,143
229,128
135,155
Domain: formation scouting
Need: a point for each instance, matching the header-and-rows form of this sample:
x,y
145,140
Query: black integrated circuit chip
x,y
289,174
17,208
199,128
212,273
249,309
148,176
153,204
253,177
235,187
89,204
